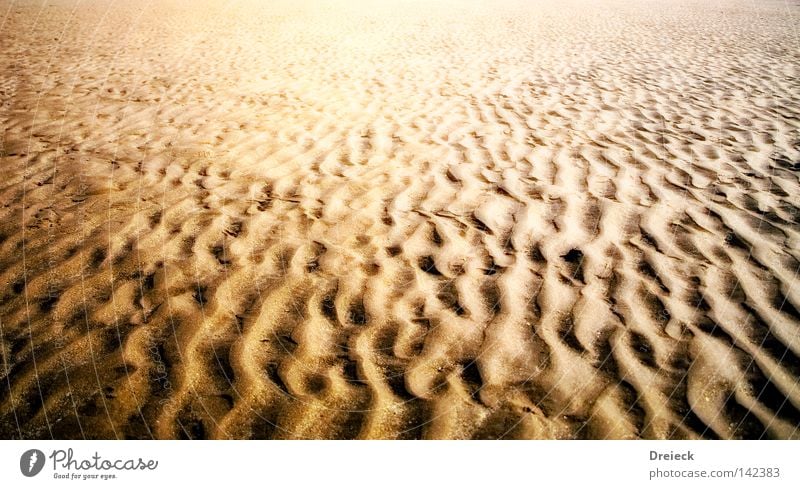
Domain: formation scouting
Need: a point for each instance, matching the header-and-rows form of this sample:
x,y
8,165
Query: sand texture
x,y
400,219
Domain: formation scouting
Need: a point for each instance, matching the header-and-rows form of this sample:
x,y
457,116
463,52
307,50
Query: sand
x,y
399,219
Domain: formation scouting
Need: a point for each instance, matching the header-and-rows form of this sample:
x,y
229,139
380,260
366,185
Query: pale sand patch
x,y
399,219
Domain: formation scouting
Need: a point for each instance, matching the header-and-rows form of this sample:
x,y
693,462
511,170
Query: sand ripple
x,y
399,219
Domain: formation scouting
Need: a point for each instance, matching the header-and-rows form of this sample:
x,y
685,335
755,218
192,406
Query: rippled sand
x,y
399,219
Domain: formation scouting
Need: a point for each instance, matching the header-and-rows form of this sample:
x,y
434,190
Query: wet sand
x,y
399,219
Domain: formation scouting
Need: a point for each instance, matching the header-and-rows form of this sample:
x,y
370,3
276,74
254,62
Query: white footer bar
x,y
398,464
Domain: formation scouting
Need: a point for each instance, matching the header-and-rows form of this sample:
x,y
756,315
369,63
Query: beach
x,y
399,219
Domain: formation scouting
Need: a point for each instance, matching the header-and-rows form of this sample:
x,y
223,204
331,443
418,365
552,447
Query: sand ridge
x,y
402,219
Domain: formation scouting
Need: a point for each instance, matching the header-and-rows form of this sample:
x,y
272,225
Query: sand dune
x,y
399,219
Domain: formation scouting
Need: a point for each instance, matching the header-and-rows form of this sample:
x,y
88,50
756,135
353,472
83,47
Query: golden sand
x,y
399,219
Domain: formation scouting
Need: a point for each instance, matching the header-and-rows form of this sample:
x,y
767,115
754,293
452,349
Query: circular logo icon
x,y
31,462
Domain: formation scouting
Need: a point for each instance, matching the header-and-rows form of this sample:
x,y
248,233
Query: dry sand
x,y
399,219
